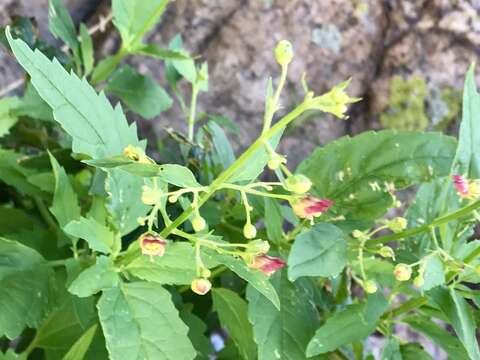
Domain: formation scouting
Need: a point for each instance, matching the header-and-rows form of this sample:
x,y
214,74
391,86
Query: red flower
x,y
201,286
466,189
266,264
308,207
152,244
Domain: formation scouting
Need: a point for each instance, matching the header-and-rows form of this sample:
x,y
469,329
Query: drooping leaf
x,y
98,277
353,324
232,311
256,278
80,348
26,288
460,315
441,337
318,251
98,236
350,171
139,321
284,333
133,18
141,93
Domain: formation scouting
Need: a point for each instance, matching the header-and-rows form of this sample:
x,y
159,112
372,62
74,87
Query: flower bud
x,y
386,252
201,286
402,272
198,223
258,247
151,196
266,264
172,199
141,221
370,286
308,207
299,184
275,161
152,244
357,234
418,281
249,231
205,273
335,101
136,154
284,52
397,224
466,189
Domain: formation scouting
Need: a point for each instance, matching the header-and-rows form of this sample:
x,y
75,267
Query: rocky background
x,y
406,58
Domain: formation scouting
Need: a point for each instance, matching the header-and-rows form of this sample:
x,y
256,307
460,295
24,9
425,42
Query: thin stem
x,y
42,209
273,104
191,114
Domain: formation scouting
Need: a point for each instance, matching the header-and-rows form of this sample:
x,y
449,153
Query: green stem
x,y
420,229
406,307
273,105
232,169
42,209
57,263
191,115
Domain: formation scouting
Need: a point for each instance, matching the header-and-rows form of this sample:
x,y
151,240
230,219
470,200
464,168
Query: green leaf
x,y
80,348
61,24
460,315
86,46
438,335
139,321
133,18
98,277
8,105
353,324
285,333
414,351
65,201
434,273
177,266
467,158
273,220
161,53
196,333
104,68
256,278
232,312
26,288
223,148
351,172
33,106
391,351
141,93
318,251
98,236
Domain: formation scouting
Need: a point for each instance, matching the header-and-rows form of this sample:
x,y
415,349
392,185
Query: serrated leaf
x,y
141,93
434,273
26,288
285,333
351,172
139,321
177,266
65,201
256,278
232,312
318,251
441,337
80,348
352,324
460,315
98,236
100,276
133,18
61,24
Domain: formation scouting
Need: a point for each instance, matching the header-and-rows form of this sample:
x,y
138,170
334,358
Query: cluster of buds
x,y
466,189
309,207
335,101
397,224
152,244
402,272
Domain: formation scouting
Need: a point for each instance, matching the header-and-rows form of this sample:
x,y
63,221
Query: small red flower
x,y
308,207
152,244
466,189
201,286
266,264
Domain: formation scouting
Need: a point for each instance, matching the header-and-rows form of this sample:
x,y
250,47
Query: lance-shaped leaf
x,y
139,321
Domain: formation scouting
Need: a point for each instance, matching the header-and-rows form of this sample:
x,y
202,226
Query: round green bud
x,y
284,52
299,184
418,281
402,272
198,223
205,273
258,247
370,286
386,252
398,224
249,231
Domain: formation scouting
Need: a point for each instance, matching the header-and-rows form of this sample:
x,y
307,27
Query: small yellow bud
x,y
370,286
398,224
357,234
402,272
172,199
418,281
136,154
198,223
141,221
284,52
249,231
386,252
275,161
299,184
151,196
201,286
